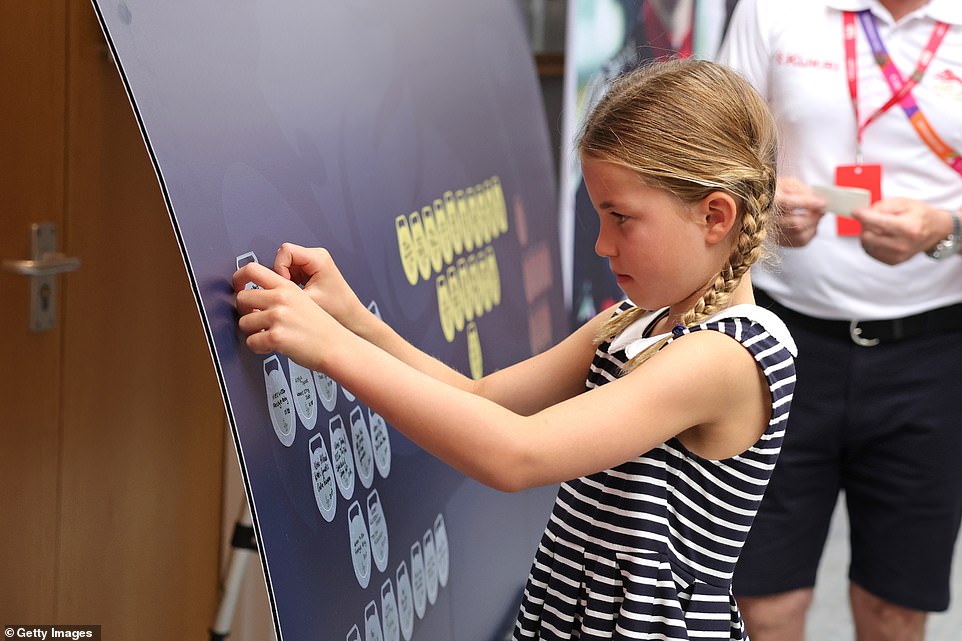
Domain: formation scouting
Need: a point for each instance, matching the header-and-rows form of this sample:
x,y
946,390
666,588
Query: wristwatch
x,y
950,245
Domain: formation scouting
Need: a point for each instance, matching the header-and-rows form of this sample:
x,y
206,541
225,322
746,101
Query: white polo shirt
x,y
792,51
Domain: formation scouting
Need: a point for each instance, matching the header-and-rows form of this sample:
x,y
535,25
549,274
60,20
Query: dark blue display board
x,y
409,139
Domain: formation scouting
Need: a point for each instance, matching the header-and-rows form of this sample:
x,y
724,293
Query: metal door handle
x,y
50,263
42,267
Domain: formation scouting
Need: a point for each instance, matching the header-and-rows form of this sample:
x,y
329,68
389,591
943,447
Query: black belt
x,y
870,332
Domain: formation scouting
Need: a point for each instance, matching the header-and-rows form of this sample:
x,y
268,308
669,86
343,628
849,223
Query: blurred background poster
x,y
605,38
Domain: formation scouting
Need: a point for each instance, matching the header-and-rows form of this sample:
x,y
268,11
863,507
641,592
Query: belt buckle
x,y
855,333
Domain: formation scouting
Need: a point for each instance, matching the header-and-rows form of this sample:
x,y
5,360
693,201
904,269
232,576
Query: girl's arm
x,y
705,383
525,388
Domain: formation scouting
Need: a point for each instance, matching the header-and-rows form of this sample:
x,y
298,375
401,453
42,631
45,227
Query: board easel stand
x,y
243,546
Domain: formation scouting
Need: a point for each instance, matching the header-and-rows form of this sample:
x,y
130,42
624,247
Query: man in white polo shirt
x,y
867,94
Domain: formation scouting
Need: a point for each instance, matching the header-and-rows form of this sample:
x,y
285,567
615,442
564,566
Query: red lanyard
x,y
901,89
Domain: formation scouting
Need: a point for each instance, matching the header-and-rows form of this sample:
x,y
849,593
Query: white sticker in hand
x,y
322,477
244,259
360,544
279,401
363,451
342,458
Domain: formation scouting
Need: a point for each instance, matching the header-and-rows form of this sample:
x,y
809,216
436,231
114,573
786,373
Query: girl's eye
x,y
619,218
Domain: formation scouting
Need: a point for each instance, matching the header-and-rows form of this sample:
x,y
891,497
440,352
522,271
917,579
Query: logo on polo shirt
x,y
802,61
948,84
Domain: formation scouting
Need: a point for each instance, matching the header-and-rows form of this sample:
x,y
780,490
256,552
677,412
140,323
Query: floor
x,y
829,619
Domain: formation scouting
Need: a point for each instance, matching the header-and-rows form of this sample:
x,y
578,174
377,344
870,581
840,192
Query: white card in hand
x,y
843,200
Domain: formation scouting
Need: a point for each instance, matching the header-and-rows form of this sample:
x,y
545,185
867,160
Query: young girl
x,y
668,411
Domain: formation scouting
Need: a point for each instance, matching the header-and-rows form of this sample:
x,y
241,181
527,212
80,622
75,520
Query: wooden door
x,y
111,424
32,108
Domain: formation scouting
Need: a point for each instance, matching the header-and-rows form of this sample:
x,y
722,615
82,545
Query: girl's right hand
x,y
800,210
314,269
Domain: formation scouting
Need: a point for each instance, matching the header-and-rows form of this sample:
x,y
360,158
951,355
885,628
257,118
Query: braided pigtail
x,y
725,142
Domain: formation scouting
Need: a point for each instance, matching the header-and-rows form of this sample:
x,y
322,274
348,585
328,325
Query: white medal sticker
x,y
456,298
373,308
305,394
322,477
377,528
381,439
418,586
242,260
363,451
279,401
453,223
341,457
501,204
444,309
360,544
372,623
326,390
433,238
430,567
441,547
420,245
405,602
495,275
354,634
389,614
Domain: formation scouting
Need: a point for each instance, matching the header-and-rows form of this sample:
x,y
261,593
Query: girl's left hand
x,y
281,317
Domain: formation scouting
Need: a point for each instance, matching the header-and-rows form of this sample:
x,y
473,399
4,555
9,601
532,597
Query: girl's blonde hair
x,y
691,127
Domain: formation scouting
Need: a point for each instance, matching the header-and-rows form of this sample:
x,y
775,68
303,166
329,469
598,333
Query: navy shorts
x,y
884,424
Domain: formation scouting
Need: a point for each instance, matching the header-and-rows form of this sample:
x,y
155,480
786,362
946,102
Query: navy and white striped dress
x,y
646,550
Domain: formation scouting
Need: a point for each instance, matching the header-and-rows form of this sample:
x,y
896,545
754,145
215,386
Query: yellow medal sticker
x,y
406,249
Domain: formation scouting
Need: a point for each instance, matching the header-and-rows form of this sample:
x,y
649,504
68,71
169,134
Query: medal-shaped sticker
x,y
342,457
242,260
372,623
381,440
475,359
354,634
432,237
494,275
477,285
501,204
420,245
441,546
444,231
406,249
484,199
405,601
377,528
326,390
455,297
464,218
363,451
279,401
453,223
389,614
464,290
305,394
360,544
430,567
418,585
444,309
322,478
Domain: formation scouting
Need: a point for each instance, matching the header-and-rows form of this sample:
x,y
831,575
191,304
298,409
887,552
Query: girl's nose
x,y
604,247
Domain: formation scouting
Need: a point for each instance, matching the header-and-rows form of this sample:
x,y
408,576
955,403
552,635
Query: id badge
x,y
865,177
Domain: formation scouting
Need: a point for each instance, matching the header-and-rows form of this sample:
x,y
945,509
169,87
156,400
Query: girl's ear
x,y
720,212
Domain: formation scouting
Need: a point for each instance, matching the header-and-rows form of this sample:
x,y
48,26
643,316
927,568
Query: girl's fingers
x,y
259,275
253,322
